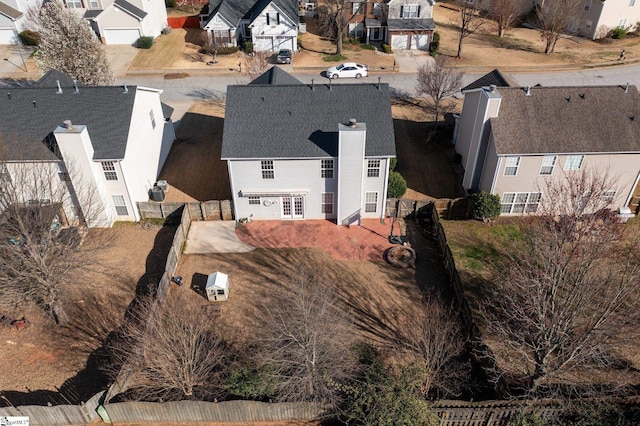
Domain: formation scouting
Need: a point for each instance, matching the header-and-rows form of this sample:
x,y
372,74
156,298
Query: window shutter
x,y
402,11
278,18
268,19
418,12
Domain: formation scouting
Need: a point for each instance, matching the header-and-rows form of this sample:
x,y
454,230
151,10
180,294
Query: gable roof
x,y
494,77
29,115
51,79
301,121
10,12
555,120
235,10
128,7
275,75
90,14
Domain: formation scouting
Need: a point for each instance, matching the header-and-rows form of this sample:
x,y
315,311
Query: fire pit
x,y
401,256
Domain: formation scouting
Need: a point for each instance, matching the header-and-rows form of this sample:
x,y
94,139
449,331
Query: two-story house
x,y
13,18
598,17
107,142
513,141
269,25
298,151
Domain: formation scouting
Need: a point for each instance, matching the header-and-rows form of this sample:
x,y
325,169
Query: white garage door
x,y
420,41
121,36
399,42
8,36
263,44
284,42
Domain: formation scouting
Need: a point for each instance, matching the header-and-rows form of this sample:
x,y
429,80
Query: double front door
x,y
292,207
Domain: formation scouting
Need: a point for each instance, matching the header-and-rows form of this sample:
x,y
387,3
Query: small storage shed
x,y
217,287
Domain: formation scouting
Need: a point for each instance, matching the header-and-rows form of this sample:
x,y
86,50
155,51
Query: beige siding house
x,y
513,141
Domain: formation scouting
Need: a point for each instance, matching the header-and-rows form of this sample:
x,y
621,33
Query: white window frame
x,y
548,163
609,195
109,169
371,202
326,169
623,23
326,200
588,23
254,200
74,4
268,169
373,168
573,162
95,4
587,5
511,165
520,202
355,6
119,203
632,3
273,18
410,11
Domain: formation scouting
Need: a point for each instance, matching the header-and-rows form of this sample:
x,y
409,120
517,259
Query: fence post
x,y
202,211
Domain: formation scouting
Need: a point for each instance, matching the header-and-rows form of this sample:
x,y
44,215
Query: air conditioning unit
x,y
157,194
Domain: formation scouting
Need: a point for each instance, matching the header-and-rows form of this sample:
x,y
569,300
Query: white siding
x,y
276,34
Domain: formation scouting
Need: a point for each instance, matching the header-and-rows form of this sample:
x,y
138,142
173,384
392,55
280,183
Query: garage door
x,y
7,36
420,41
399,42
284,42
263,44
121,36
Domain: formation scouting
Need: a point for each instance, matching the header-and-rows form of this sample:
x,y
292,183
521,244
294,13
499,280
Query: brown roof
x,y
555,120
7,10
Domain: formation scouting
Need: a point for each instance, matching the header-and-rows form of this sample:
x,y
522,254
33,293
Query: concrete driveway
x,y
409,61
214,237
121,58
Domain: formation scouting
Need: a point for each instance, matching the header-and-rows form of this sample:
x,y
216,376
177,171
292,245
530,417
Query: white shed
x,y
217,287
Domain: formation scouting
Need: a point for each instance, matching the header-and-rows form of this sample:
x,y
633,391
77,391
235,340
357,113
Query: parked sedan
x,y
349,69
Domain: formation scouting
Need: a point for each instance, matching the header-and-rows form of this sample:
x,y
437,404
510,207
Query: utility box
x,y
217,287
157,194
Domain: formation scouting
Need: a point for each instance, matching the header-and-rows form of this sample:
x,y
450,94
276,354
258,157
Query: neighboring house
x,y
269,25
403,24
110,142
12,18
514,140
599,17
298,151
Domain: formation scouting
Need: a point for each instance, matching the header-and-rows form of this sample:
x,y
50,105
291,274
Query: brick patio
x,y
365,242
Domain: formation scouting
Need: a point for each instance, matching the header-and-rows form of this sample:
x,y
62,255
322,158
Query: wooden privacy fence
x,y
492,413
184,21
58,415
206,210
457,208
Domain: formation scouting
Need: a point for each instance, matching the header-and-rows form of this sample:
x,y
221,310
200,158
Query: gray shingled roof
x,y
51,79
493,77
9,11
410,24
135,11
555,120
106,111
234,10
298,121
275,75
92,13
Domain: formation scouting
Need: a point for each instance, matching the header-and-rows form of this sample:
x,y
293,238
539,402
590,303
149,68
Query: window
x,y
547,164
511,166
410,11
109,170
609,195
632,3
94,4
573,162
327,202
588,23
623,23
267,169
370,202
153,119
520,202
377,9
273,18
354,7
326,169
121,206
373,168
254,200
587,5
74,4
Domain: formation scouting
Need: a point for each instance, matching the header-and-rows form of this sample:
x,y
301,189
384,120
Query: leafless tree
x,y
308,341
68,45
506,13
554,18
439,80
566,294
39,251
432,341
172,352
332,21
256,64
470,20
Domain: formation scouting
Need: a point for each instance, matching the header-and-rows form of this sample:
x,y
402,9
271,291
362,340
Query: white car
x,y
348,69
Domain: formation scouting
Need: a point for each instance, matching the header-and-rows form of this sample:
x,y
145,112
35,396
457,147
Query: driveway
x,y
409,61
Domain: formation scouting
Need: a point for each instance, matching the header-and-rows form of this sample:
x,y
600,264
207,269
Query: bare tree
x,y
256,64
68,45
432,342
439,80
554,18
332,21
470,20
506,13
307,342
39,251
171,352
566,295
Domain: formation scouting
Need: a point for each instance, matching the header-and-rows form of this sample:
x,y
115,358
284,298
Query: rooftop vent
x,y
313,87
34,104
75,86
379,78
528,91
626,88
125,89
9,95
59,88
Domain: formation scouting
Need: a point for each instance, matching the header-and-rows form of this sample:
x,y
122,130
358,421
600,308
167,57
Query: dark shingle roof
x,y
51,79
234,10
106,111
288,7
298,121
493,77
567,120
167,110
135,11
410,24
9,11
275,75
92,13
